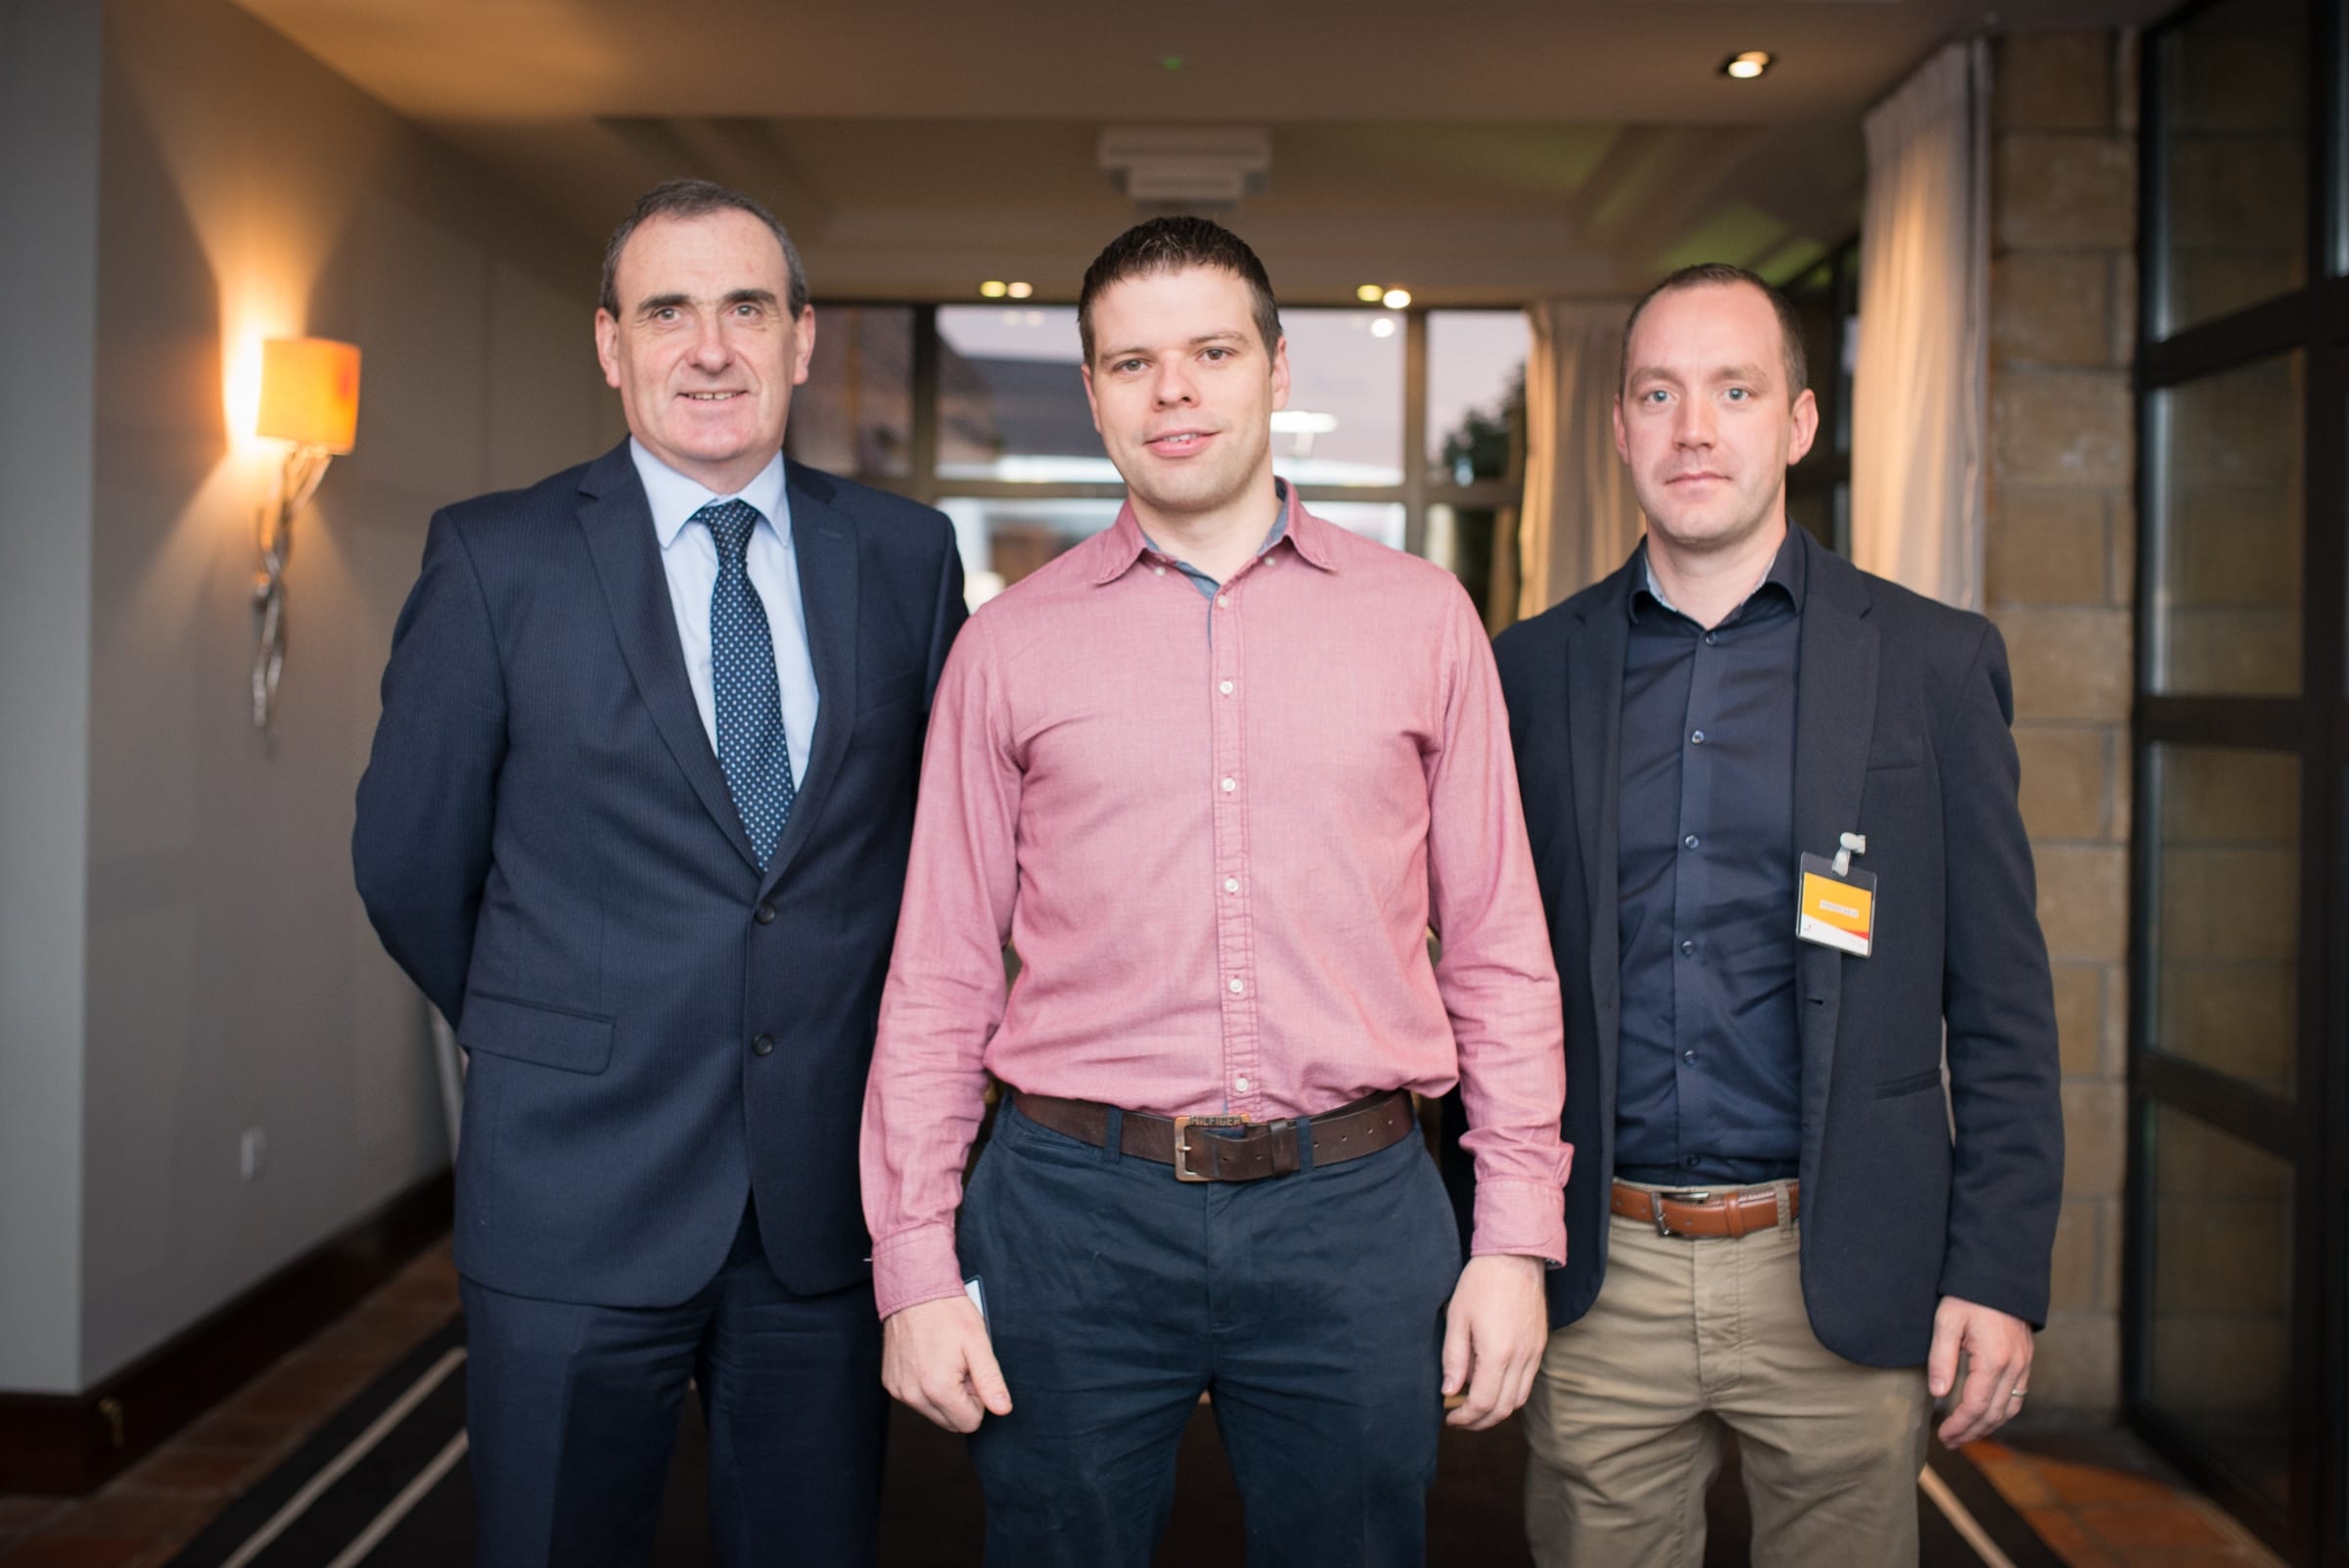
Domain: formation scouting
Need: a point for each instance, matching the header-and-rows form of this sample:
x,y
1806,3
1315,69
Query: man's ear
x,y
607,347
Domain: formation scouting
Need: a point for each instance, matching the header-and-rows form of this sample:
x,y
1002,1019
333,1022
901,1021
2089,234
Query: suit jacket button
x,y
766,914
763,1045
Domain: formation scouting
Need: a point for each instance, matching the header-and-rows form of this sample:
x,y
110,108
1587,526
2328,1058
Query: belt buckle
x,y
1656,1200
1182,1145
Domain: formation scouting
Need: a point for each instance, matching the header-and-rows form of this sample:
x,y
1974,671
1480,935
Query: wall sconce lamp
x,y
309,396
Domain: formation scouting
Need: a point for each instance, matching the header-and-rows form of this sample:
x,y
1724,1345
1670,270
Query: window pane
x,y
2221,1312
856,414
2235,155
1011,398
1003,540
1465,540
1373,519
2227,467
1344,423
1476,394
2227,912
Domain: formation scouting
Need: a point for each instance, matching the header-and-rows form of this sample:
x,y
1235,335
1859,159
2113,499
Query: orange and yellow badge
x,y
1836,911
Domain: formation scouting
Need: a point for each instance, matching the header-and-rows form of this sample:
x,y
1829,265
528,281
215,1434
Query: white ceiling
x,y
1477,150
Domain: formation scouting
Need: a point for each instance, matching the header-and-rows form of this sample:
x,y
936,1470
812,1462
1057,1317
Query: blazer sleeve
x,y
427,804
2006,1181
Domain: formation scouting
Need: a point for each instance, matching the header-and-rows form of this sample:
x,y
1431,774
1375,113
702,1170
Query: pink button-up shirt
x,y
1218,856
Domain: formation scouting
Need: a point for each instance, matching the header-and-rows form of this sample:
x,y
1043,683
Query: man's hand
x,y
1494,1332
935,1356
1997,1367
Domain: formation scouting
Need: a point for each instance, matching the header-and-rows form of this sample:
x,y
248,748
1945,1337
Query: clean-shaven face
x,y
705,351
1183,389
1704,419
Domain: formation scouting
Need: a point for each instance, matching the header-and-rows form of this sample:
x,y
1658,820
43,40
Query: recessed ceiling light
x,y
1746,66
1020,291
1370,293
1396,299
1383,327
993,289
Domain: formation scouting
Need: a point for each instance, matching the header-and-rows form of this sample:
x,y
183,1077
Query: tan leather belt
x,y
1230,1148
1705,1210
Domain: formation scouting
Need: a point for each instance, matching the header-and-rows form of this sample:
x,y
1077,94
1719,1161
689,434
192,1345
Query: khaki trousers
x,y
1688,1338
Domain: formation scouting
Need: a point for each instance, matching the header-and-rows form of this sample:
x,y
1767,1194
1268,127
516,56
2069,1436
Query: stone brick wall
x,y
2060,549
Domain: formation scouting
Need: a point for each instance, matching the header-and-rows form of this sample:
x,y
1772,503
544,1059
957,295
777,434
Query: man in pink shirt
x,y
1214,774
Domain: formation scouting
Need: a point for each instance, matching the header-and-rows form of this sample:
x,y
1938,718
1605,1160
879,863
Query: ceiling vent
x,y
1187,168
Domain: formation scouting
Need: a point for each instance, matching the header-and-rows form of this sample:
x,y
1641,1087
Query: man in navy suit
x,y
637,821
1772,805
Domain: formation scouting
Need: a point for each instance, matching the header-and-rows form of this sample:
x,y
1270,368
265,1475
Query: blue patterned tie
x,y
751,744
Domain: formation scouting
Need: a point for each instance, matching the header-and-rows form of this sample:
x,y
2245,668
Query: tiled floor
x,y
2098,1496
2102,1500
144,1516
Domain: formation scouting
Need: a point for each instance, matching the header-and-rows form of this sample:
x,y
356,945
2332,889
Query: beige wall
x,y
240,191
49,65
2061,573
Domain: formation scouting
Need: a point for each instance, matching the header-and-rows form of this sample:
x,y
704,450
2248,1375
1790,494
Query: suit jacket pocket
x,y
1913,1084
575,1043
888,689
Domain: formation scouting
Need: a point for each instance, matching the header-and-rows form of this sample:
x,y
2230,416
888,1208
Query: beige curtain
x,y
1920,387
1580,519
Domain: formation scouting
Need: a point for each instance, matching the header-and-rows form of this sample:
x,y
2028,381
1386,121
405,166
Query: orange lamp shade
x,y
310,393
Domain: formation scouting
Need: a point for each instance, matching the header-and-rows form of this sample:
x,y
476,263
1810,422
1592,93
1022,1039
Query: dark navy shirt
x,y
1708,1084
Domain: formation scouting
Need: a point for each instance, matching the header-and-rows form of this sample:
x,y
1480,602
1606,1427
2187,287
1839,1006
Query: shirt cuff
x,y
913,1267
1527,1218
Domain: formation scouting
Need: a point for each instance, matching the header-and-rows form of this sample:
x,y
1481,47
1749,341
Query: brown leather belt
x,y
1236,1149
1704,1211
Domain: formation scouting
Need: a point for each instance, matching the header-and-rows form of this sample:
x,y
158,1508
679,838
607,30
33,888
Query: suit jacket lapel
x,y
1594,711
825,542
618,523
1835,723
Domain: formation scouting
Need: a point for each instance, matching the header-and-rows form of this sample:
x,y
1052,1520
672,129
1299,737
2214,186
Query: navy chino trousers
x,y
1308,1305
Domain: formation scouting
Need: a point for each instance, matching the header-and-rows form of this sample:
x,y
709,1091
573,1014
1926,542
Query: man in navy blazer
x,y
636,822
1778,1221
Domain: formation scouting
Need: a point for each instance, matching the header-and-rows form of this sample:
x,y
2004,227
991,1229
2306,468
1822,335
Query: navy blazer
x,y
656,1028
1901,714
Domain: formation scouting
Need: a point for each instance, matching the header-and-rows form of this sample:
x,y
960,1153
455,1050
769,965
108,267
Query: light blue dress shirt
x,y
689,557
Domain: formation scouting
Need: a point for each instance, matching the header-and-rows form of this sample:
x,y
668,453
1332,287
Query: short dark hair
x,y
1715,274
1174,244
693,199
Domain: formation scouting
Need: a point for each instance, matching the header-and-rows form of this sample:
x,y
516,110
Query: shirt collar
x,y
1787,569
1126,542
675,498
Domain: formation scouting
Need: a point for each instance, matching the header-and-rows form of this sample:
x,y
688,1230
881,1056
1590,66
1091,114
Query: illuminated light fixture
x,y
993,289
1370,293
1383,327
309,396
1020,291
1746,64
1396,299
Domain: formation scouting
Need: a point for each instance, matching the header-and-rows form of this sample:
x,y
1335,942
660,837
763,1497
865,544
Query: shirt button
x,y
1235,984
766,914
1688,842
763,1045
1697,739
1691,1161
1711,639
1689,1057
1232,884
1687,950
1240,1084
1158,572
1231,784
1226,688
1223,601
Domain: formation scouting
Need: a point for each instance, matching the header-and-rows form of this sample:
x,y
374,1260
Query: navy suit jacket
x,y
1901,714
656,1028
